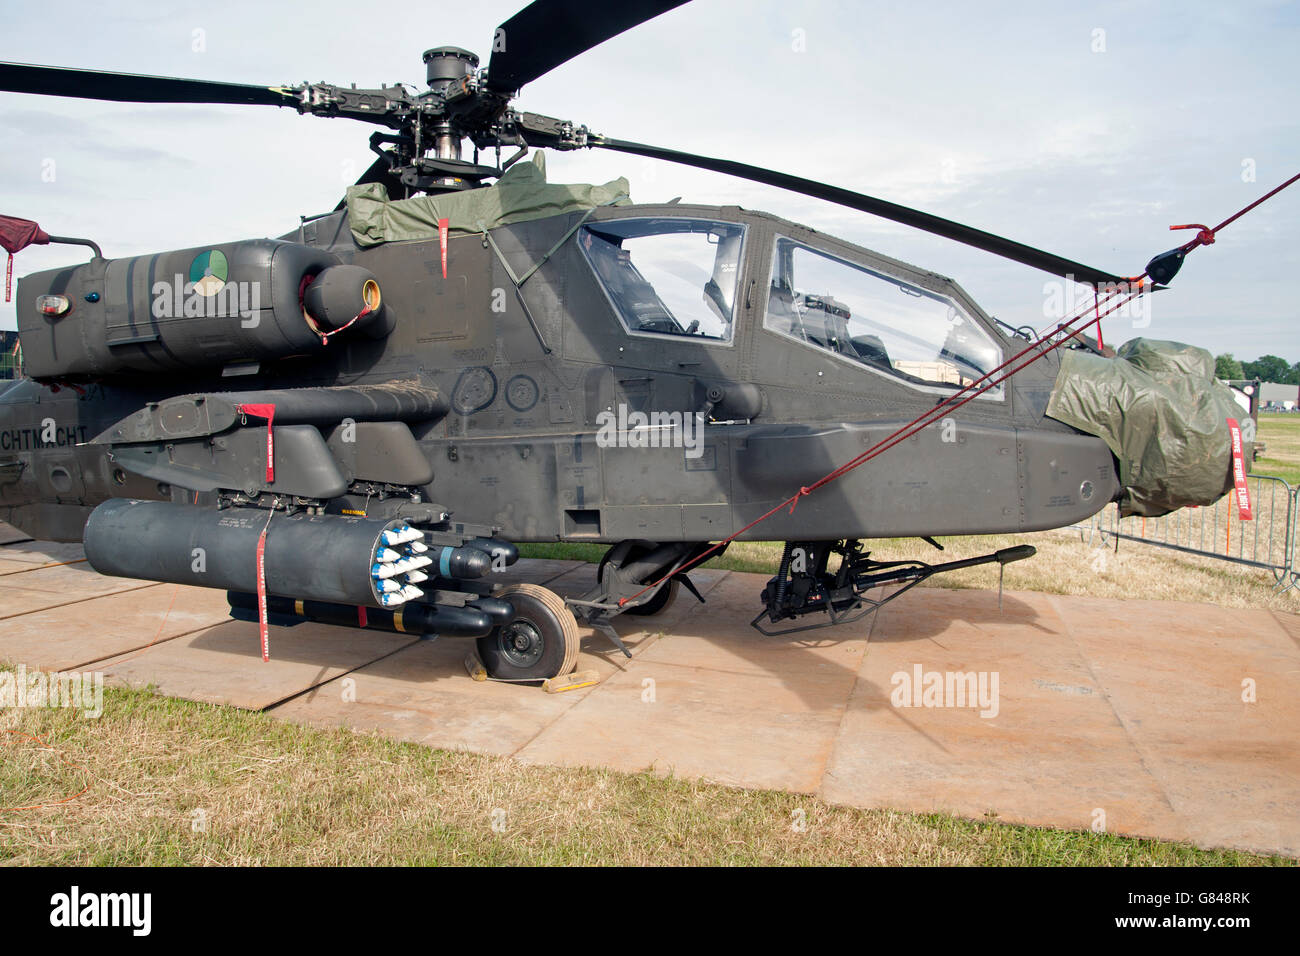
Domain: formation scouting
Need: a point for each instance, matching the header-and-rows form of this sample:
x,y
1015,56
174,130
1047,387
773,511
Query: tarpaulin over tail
x,y
522,193
1164,415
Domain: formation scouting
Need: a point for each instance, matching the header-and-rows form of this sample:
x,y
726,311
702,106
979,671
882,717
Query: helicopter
x,y
359,421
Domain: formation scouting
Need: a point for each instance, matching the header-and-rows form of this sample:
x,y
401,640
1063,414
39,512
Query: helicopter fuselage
x,y
668,373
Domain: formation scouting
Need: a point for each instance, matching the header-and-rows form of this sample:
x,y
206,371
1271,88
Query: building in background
x,y
1277,397
10,356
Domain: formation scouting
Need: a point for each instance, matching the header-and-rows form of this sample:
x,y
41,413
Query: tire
x,y
541,642
662,598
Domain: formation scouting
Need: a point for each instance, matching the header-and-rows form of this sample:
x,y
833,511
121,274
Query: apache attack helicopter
x,y
358,421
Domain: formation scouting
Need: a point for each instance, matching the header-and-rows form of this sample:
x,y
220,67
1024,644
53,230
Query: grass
x,y
1281,435
272,792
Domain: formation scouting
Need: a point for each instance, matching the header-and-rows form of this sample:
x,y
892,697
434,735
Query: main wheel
x,y
542,641
661,599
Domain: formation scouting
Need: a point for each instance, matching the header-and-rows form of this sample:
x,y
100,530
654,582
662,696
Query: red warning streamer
x,y
1242,490
263,626
267,412
443,225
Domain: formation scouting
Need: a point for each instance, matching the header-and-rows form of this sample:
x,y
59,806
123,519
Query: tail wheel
x,y
541,642
658,601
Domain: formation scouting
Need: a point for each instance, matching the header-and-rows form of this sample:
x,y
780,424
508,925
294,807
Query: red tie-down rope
x,y
950,404
1205,235
326,336
1042,345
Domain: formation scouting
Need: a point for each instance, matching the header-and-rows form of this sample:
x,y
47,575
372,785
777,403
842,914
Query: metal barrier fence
x,y
1268,541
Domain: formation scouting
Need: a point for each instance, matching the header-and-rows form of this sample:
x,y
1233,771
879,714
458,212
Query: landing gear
x,y
637,577
805,584
541,642
661,599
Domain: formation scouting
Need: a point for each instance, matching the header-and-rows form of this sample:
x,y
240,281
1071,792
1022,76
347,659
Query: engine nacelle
x,y
194,308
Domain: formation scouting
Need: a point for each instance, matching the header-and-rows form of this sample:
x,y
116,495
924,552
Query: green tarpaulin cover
x,y
1164,415
522,193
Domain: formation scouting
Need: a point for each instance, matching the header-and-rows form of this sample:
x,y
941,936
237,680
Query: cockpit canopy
x,y
864,315
669,276
678,276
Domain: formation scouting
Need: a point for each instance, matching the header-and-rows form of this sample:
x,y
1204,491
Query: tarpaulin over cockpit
x,y
522,193
1163,413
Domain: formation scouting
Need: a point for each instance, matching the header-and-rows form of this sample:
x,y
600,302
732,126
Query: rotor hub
x,y
448,65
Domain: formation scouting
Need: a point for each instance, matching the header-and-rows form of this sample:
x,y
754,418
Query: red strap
x,y
1096,306
325,336
361,616
9,277
443,225
267,412
1242,490
262,625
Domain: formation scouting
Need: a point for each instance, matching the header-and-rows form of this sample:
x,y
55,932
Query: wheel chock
x,y
475,668
567,682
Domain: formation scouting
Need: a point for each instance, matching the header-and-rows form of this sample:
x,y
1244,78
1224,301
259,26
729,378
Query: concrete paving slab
x,y
74,636
637,633
223,664
715,700
8,534
1051,752
424,695
72,580
1290,624
31,555
15,601
41,552
1213,714
9,566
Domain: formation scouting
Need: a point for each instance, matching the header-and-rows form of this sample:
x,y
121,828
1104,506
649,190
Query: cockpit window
x,y
668,276
877,320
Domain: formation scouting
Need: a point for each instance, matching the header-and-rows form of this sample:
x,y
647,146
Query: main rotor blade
x,y
547,33
134,87
1007,248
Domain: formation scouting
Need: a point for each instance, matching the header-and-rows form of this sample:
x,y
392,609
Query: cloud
x,y
999,115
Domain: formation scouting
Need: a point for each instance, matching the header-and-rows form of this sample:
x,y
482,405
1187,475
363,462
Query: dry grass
x,y
279,793
1067,564
1281,434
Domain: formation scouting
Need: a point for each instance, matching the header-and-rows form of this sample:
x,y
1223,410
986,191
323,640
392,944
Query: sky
x,y
1086,129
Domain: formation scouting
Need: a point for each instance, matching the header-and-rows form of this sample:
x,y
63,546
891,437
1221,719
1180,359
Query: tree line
x,y
1266,368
